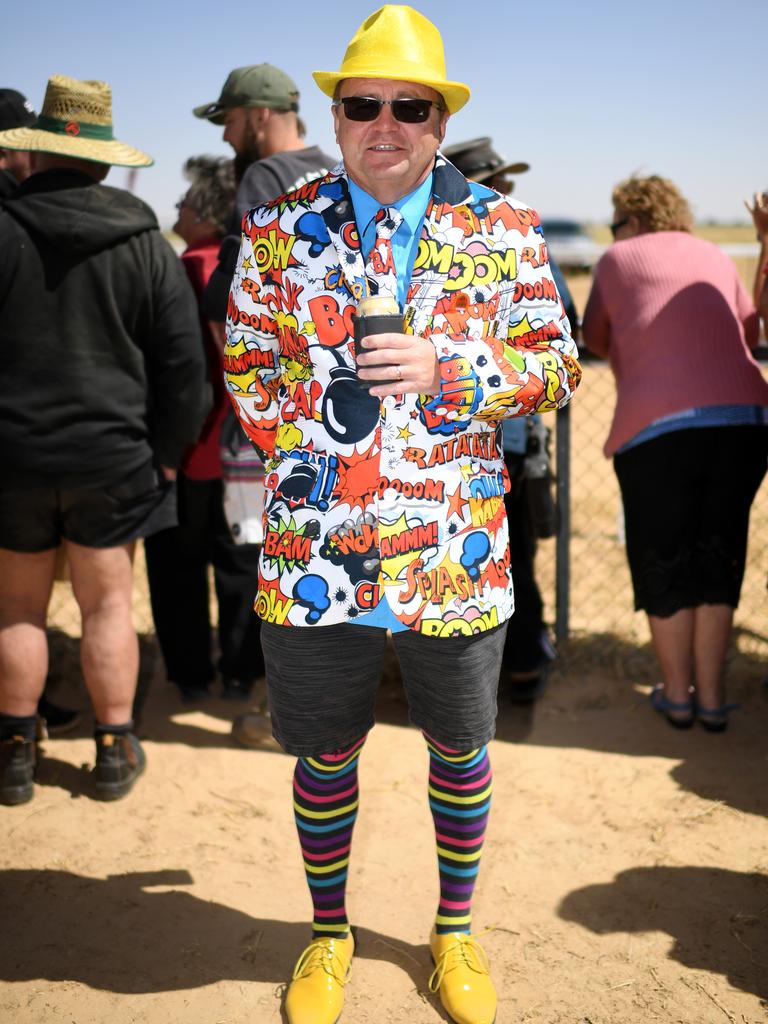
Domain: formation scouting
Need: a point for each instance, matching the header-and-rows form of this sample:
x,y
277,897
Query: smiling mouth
x,y
384,148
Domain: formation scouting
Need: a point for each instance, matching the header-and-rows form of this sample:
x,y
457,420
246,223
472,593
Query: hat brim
x,y
455,94
519,168
118,154
212,112
217,114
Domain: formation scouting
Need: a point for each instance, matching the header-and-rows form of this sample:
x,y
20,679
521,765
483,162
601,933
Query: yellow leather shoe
x,y
316,993
462,978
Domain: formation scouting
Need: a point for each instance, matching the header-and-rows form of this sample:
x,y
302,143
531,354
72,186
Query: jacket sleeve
x,y
565,297
529,363
251,354
179,394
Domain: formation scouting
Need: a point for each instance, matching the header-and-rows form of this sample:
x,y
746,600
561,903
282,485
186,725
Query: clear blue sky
x,y
586,92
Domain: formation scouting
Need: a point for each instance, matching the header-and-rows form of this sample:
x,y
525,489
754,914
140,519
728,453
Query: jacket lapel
x,y
450,193
339,217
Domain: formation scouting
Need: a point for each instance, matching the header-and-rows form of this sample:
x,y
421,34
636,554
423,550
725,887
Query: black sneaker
x,y
57,720
119,762
17,764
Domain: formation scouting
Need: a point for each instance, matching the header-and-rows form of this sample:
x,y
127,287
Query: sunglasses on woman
x,y
367,108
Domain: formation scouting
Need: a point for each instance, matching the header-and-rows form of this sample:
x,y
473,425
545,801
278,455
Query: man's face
x,y
17,161
241,131
385,157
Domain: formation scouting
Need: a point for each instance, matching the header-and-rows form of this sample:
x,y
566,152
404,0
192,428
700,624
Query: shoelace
x,y
465,951
321,955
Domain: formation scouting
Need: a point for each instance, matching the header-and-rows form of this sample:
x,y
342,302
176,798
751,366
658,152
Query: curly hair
x,y
211,193
656,202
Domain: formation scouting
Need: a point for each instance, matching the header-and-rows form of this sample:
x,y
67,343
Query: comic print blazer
x,y
400,499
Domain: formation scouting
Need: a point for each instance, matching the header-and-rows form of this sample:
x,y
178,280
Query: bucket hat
x,y
399,44
256,85
76,121
478,160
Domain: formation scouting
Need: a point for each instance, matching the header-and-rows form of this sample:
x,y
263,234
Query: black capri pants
x,y
687,496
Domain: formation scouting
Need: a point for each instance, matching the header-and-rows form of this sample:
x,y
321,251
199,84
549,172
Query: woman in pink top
x,y
689,437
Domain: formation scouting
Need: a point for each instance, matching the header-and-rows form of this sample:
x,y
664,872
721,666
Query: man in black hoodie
x,y
103,388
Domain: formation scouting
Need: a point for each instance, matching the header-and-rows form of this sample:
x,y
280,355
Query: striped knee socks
x,y
460,785
325,801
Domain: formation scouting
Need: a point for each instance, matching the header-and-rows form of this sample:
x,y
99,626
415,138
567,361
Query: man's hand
x,y
408,360
759,212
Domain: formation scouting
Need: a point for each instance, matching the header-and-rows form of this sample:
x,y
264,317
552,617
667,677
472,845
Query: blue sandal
x,y
715,719
679,714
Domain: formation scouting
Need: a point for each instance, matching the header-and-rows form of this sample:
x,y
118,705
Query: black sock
x,y
100,729
18,725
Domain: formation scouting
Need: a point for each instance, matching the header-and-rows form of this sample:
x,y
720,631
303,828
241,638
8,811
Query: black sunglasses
x,y
367,108
618,224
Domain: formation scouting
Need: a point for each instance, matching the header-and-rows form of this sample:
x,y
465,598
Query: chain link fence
x,y
583,574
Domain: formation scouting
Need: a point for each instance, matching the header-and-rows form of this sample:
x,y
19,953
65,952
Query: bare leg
x,y
102,582
673,644
711,636
26,581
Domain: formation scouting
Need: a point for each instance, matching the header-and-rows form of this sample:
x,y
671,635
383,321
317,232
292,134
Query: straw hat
x,y
76,121
399,44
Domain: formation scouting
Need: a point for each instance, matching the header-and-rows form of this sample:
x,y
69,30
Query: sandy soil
x,y
625,877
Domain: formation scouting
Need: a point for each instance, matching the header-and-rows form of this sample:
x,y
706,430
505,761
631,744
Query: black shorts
x,y
687,496
132,506
322,682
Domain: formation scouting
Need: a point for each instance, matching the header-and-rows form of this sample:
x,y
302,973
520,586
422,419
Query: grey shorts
x,y
322,682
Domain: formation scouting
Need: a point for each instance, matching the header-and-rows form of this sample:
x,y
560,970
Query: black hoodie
x,y
102,364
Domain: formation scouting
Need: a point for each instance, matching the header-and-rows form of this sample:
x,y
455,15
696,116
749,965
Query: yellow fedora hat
x,y
76,120
399,44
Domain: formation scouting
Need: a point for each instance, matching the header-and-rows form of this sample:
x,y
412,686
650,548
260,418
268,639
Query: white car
x,y
571,246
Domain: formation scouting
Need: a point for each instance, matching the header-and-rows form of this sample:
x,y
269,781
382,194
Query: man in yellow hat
x,y
103,376
384,473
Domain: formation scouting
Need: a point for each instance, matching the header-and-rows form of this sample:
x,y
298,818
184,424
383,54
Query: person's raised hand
x,y
759,212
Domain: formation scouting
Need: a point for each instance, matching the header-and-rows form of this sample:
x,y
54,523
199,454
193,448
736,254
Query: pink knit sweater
x,y
677,325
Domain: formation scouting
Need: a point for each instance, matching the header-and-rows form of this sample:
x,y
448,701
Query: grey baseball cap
x,y
257,85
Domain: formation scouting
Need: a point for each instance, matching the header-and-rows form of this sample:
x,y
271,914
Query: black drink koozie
x,y
375,323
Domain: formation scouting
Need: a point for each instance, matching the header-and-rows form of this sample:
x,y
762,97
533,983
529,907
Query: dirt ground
x,y
625,877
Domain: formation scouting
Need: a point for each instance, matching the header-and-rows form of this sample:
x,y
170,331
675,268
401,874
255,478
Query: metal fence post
x,y
562,553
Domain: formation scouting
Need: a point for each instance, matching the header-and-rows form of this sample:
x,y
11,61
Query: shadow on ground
x,y
597,699
725,932
140,933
